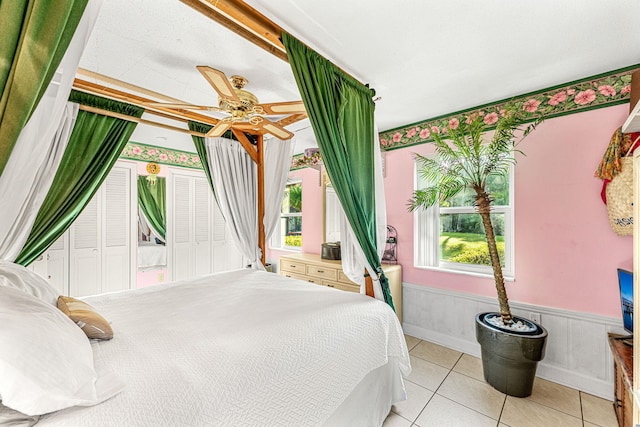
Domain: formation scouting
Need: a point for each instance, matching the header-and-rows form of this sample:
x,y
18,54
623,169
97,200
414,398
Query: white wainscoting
x,y
577,353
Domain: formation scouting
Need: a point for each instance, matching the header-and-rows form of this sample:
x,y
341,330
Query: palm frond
x,y
465,160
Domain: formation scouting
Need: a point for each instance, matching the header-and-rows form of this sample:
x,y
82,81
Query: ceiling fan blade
x,y
283,107
219,129
275,129
181,105
219,81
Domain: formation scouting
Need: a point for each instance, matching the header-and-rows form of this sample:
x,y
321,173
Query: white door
x,y
179,227
220,246
57,258
53,264
85,273
197,235
101,239
117,231
203,263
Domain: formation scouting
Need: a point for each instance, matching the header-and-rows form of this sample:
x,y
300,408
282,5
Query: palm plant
x,y
465,160
295,197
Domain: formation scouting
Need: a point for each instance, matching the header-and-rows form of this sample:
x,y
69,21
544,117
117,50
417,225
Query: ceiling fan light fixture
x,y
244,110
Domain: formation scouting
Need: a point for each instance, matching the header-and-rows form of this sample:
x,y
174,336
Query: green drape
x,y
198,141
94,146
152,199
34,35
341,113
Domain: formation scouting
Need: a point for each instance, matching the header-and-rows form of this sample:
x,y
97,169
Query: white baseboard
x,y
577,352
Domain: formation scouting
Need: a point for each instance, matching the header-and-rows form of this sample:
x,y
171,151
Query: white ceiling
x,y
425,58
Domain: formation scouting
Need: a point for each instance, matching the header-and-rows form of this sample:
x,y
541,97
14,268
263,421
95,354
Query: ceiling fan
x,y
244,111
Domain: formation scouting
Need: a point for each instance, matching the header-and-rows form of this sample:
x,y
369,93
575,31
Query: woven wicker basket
x,y
620,199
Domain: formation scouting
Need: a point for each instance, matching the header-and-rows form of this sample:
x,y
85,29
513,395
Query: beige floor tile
x,y
470,366
520,412
394,420
588,424
556,396
426,374
598,411
417,398
473,394
437,354
411,341
442,412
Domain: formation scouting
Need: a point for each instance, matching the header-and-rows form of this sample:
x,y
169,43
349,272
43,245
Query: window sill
x,y
286,249
507,278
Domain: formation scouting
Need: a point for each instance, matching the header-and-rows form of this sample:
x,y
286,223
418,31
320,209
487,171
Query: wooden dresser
x,y
623,370
312,268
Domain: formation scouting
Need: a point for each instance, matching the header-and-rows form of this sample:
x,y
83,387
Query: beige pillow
x,y
91,323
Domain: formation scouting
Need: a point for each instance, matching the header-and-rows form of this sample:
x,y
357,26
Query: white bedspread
x,y
243,348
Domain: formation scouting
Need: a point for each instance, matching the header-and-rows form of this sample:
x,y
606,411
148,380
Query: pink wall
x,y
566,253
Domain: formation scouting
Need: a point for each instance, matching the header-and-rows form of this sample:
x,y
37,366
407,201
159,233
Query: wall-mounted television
x,y
625,280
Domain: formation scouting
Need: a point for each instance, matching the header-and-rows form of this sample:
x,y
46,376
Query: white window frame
x,y
427,235
276,241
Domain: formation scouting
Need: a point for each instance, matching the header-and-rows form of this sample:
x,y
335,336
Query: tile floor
x,y
446,389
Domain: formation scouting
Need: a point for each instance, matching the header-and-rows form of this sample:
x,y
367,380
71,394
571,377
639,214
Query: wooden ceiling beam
x,y
137,120
119,95
245,21
246,144
127,86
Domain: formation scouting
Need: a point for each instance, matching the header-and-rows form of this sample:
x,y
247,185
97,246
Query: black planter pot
x,y
510,358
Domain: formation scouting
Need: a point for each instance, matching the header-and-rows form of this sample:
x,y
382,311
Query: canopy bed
x,y
239,348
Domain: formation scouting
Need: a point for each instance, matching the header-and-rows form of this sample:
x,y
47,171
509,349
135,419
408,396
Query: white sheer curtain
x,y
40,146
277,163
353,259
234,177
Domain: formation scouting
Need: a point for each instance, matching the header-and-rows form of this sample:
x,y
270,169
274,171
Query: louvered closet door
x,y
225,254
85,240
53,264
220,242
181,241
57,260
202,226
116,233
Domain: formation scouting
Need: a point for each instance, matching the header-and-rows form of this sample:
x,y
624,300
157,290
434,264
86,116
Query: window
x,y
288,233
451,236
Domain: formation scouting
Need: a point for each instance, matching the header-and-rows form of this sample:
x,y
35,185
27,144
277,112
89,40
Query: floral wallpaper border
x,y
600,91
593,92
166,156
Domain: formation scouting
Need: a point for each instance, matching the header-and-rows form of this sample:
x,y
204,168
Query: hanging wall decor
x,y
154,170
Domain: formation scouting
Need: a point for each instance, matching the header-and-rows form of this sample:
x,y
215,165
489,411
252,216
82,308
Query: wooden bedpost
x,y
368,282
261,233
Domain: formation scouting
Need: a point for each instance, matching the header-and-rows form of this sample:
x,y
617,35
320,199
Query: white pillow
x,y
46,361
16,276
9,417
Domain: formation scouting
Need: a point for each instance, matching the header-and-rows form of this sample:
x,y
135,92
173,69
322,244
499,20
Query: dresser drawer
x,y
342,286
291,265
322,272
294,275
